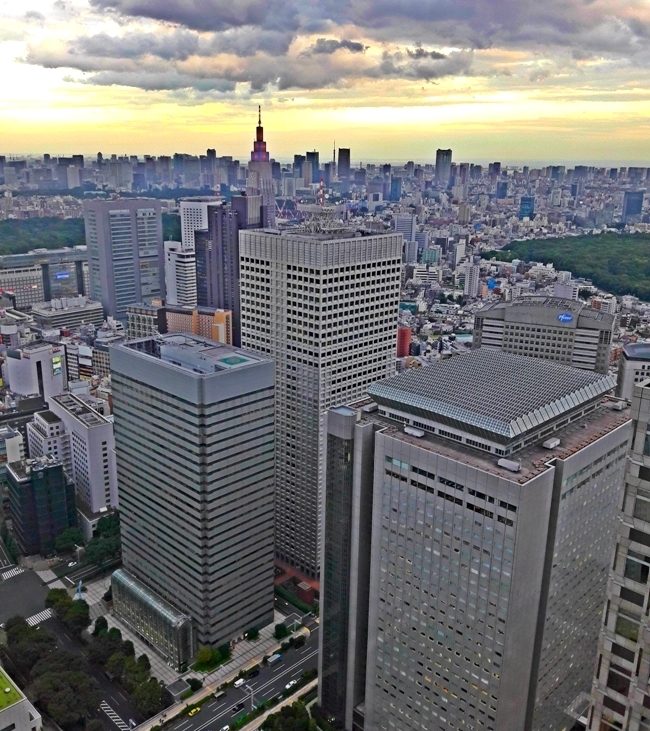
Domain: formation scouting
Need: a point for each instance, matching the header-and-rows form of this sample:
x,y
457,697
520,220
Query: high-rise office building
x,y
180,274
469,530
343,166
217,254
621,688
260,172
194,217
527,207
560,330
323,305
313,159
443,167
37,368
632,205
472,279
124,239
195,463
41,503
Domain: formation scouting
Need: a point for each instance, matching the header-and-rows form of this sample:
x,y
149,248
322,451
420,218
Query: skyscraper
x,y
443,167
180,274
527,207
344,163
195,460
632,205
323,305
217,254
621,690
124,239
260,172
313,159
469,530
194,217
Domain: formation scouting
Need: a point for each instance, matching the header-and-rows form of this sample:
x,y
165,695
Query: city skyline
x,y
512,82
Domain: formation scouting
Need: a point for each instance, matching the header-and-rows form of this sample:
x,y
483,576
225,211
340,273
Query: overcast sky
x,y
514,80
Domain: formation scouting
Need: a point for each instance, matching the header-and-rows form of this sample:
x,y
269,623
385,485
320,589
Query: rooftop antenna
x,y
259,115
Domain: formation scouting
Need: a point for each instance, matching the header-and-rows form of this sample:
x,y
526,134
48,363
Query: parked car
x,y
194,711
239,682
290,684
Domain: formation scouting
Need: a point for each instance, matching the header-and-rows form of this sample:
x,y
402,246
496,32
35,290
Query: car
x,y
225,728
194,711
239,682
290,684
71,564
132,723
238,707
253,673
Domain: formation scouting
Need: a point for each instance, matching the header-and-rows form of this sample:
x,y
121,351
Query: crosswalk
x,y
113,716
40,617
11,573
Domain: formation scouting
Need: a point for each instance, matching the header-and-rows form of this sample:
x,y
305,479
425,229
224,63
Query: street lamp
x,y
252,692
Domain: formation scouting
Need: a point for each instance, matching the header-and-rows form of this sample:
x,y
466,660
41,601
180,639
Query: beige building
x,y
207,322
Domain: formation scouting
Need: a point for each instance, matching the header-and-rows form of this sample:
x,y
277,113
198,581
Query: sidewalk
x,y
254,725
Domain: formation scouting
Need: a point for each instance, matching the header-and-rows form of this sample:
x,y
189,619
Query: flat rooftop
x,y
637,351
9,692
49,416
500,393
534,460
550,305
193,353
80,410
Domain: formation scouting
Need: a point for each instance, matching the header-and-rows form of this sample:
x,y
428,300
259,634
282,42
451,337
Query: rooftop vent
x,y
509,464
413,431
551,443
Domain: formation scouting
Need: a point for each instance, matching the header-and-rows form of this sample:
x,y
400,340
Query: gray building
x,y
633,368
621,689
16,712
470,526
67,312
560,330
125,257
195,467
45,274
324,307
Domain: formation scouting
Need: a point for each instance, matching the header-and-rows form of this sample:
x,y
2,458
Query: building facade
x,y
16,712
633,368
560,330
467,545
124,240
41,503
621,688
195,464
324,308
180,274
67,312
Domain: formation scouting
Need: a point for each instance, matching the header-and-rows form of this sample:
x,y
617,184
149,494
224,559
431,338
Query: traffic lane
x,y
270,683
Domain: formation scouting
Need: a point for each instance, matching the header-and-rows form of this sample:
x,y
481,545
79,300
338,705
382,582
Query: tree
x,y
128,649
204,655
101,626
69,697
59,600
253,634
58,661
148,697
27,645
143,663
68,539
280,632
115,664
94,725
77,616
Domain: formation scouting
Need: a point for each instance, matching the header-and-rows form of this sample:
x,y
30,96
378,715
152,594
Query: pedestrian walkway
x,y
11,573
40,617
122,725
48,577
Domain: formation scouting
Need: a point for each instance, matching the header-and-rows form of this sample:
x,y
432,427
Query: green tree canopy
x,y
68,539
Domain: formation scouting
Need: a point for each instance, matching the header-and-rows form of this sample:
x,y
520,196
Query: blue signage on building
x,y
62,275
565,317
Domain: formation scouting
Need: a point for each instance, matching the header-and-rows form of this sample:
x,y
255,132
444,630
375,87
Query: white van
x,y
239,682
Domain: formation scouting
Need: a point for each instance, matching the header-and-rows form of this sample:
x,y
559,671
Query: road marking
x,y
40,617
123,726
11,573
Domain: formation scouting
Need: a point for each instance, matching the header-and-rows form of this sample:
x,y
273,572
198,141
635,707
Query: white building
x,y
472,276
16,712
36,368
323,306
180,274
633,368
46,434
194,217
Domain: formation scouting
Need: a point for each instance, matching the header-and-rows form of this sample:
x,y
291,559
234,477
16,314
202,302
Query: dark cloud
x,y
331,45
33,15
162,81
420,52
210,14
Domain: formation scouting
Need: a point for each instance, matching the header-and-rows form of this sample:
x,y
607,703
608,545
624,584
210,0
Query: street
x,y
271,682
